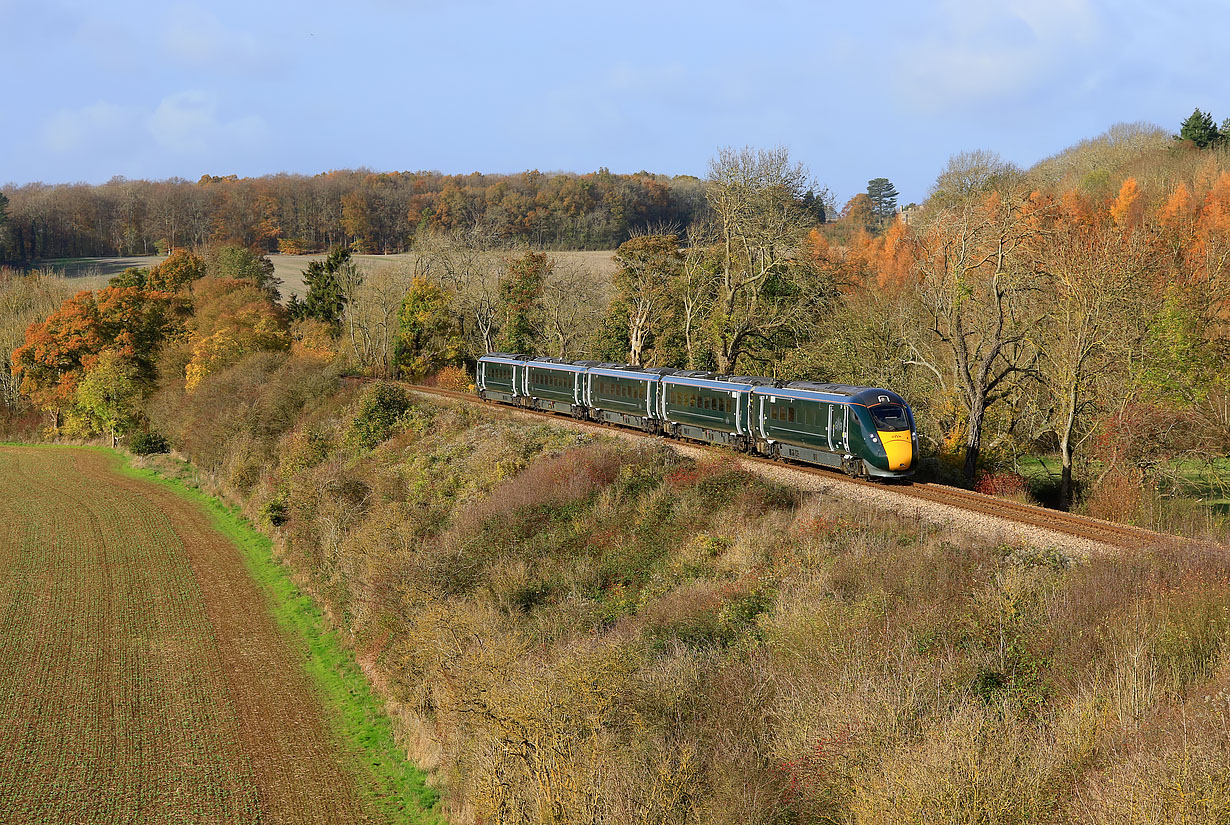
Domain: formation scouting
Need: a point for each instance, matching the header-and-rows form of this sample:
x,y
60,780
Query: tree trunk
x,y
1066,451
1065,482
973,442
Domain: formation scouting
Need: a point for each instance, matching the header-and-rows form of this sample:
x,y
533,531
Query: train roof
x,y
844,394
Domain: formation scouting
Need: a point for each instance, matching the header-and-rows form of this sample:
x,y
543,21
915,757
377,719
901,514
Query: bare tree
x,y
647,265
975,324
756,199
573,301
695,287
1083,339
468,264
373,310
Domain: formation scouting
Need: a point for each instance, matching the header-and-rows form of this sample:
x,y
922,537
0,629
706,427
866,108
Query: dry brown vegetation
x,y
572,630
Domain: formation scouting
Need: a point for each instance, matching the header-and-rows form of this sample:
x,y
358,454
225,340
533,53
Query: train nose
x,y
899,450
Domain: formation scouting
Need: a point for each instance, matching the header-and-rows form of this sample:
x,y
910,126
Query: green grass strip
x,y
395,787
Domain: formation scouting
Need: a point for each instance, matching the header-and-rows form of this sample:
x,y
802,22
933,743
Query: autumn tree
x,y
764,286
1093,262
25,299
109,394
860,212
429,337
57,352
232,318
647,265
180,269
521,291
974,292
237,263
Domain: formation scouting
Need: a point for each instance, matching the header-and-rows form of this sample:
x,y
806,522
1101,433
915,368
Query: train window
x,y
790,413
890,417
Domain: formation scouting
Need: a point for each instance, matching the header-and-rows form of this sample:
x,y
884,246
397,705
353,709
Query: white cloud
x,y
197,38
187,123
988,50
101,123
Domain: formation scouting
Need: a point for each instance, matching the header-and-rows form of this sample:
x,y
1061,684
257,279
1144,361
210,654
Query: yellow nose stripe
x,y
899,450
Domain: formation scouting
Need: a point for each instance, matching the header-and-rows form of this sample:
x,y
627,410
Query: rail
x,y
1082,527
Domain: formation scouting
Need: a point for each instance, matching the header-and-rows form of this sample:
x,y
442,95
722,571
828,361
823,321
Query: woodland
x,y
565,628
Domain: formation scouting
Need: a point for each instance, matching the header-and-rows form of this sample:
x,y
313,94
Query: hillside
x,y
571,628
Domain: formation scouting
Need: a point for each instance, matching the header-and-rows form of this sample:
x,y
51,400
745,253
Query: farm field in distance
x,y
140,678
94,272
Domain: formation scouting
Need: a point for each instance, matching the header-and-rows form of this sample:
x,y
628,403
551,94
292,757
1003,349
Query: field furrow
x,y
141,678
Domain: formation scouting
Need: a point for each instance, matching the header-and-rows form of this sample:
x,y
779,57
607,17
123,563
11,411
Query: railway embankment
x,y
566,621
958,510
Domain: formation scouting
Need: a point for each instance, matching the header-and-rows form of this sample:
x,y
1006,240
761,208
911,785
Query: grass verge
x,y
396,788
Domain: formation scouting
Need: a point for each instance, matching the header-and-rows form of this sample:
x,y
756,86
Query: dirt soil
x,y
141,677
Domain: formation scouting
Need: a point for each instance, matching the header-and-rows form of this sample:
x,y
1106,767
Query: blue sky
x,y
98,88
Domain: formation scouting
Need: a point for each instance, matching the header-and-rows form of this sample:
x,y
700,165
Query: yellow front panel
x,y
899,449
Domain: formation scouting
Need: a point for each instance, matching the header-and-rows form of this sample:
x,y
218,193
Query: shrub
x,y
148,443
453,378
1002,484
380,405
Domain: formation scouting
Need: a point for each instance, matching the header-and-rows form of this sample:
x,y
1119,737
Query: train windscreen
x,y
890,417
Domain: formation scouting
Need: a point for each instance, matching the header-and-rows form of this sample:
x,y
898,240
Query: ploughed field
x,y
141,676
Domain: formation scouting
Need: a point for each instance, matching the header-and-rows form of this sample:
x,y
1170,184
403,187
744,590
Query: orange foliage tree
x,y
57,352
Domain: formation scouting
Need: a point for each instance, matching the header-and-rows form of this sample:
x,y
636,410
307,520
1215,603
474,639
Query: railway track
x,y
1081,527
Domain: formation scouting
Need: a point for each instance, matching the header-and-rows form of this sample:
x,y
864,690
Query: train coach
x,y
862,431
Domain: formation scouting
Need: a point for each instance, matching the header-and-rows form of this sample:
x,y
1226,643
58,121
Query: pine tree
x,y
1200,129
883,198
327,282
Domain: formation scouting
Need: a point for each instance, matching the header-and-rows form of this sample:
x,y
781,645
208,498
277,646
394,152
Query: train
x,y
865,432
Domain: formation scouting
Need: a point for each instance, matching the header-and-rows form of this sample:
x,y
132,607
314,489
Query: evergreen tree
x,y
883,198
327,281
814,205
1200,129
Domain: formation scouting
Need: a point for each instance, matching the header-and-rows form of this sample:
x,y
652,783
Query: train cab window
x,y
889,417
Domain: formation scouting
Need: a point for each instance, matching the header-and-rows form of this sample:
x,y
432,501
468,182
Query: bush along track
x,y
138,682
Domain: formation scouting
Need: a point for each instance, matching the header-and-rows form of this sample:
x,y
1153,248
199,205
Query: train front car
x,y
889,436
859,430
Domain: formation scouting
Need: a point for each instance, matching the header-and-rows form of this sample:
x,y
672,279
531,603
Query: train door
x,y
839,438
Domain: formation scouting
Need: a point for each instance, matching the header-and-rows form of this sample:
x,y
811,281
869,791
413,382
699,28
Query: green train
x,y
862,431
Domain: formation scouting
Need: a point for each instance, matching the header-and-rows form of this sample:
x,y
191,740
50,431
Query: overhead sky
x,y
98,88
